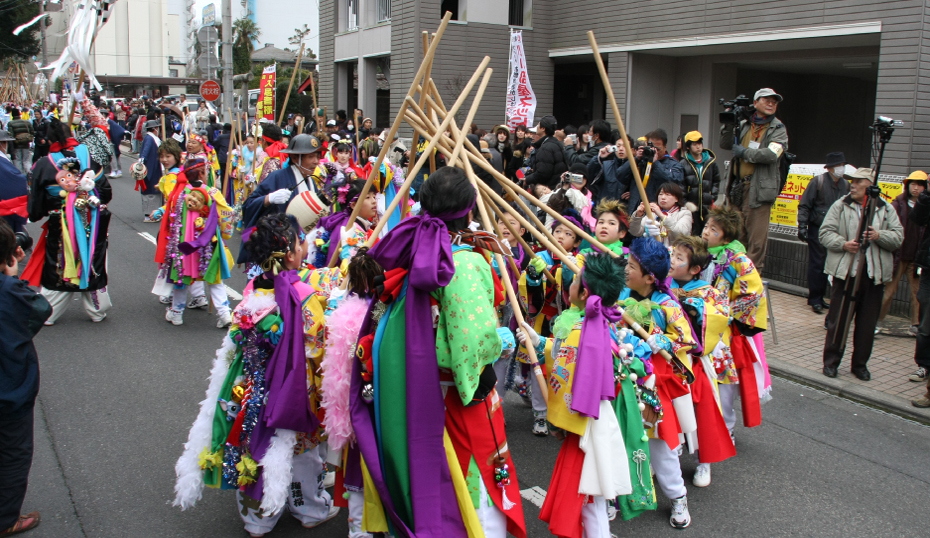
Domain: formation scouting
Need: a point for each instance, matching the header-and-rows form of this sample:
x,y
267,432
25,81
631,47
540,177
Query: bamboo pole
x,y
523,243
497,232
287,96
423,95
626,141
429,148
163,132
355,113
376,168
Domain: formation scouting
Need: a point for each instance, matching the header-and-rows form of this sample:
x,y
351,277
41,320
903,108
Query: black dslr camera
x,y
737,110
23,240
649,151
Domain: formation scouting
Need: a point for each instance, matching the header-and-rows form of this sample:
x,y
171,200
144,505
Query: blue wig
x,y
652,256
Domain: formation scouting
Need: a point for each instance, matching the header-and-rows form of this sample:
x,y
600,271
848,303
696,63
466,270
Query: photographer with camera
x,y
22,313
838,233
659,140
14,188
754,175
599,135
646,156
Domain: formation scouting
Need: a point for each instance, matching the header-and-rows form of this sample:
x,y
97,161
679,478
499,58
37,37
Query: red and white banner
x,y
521,101
266,92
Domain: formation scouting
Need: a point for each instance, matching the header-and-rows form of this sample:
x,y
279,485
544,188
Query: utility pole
x,y
42,30
227,62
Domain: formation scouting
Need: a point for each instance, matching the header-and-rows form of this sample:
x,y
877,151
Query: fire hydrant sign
x,y
265,106
210,90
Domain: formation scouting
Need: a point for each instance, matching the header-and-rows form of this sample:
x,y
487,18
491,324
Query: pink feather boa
x,y
343,325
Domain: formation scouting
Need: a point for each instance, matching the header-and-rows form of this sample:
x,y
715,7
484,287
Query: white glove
x,y
78,95
280,196
651,226
526,332
656,342
87,184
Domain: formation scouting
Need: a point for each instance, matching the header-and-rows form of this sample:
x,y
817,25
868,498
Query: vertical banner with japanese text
x,y
784,215
521,101
266,94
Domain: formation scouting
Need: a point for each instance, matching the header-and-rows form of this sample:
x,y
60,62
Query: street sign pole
x,y
227,62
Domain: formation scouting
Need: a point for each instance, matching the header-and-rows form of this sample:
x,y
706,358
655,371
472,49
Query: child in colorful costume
x,y
649,301
198,148
734,275
70,256
612,229
192,244
709,311
581,386
244,161
258,430
350,238
431,384
545,301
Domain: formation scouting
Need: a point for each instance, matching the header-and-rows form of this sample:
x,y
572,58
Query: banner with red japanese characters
x,y
521,101
266,94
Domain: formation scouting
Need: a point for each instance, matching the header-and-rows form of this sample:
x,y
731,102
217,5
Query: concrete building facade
x,y
837,62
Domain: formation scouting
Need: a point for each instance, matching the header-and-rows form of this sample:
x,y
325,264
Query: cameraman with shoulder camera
x,y
22,313
838,233
754,177
14,188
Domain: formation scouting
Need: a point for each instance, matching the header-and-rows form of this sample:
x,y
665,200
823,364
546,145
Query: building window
x,y
515,17
384,10
450,5
172,72
351,14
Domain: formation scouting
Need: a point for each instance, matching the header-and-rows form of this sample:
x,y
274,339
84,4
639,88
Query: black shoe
x,y
826,305
829,371
862,374
817,308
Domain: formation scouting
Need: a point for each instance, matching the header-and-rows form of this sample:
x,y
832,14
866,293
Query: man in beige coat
x,y
838,235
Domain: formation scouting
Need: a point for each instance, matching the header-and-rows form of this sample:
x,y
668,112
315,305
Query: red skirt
x,y
562,508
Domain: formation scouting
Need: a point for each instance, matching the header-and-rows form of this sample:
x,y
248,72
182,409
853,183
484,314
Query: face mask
x,y
839,170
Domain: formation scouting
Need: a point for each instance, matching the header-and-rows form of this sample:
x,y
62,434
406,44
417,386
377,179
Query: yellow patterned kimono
x,y
742,283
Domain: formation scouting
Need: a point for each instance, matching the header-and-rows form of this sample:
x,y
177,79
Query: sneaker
x,y
175,317
681,518
148,219
922,403
702,476
540,427
223,320
913,330
198,302
919,376
330,480
333,510
118,173
164,299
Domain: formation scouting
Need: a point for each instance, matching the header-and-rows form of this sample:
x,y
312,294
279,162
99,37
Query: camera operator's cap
x,y
303,144
835,158
693,136
767,92
861,173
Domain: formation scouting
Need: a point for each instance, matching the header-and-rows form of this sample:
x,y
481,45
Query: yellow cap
x,y
918,175
693,136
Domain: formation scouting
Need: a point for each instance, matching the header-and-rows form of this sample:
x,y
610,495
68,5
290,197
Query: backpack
x,y
23,138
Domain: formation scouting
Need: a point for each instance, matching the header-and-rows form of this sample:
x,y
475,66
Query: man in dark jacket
x,y
820,194
920,215
221,145
600,135
116,137
915,184
652,180
548,156
659,139
40,125
700,178
24,134
22,313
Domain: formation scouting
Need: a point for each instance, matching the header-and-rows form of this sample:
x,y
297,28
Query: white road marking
x,y
535,495
233,294
148,237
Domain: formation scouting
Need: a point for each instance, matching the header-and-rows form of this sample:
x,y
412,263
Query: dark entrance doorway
x,y
578,94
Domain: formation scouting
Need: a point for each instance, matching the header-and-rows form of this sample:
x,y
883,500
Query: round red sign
x,y
210,90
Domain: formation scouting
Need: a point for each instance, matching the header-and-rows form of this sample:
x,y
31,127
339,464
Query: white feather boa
x,y
276,467
189,485
343,326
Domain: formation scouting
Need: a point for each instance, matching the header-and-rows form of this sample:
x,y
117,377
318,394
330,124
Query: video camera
x,y
737,110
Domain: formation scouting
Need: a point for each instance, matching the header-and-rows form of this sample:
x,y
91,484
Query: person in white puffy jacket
x,y
672,214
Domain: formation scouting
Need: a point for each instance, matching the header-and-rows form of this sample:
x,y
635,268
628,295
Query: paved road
x,y
118,397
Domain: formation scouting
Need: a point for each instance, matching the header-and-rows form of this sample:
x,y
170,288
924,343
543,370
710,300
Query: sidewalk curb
x,y
852,391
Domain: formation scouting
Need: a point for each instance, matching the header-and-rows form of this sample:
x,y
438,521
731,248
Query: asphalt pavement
x,y
117,399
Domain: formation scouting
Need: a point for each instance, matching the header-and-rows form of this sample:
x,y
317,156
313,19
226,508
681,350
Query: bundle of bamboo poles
x,y
424,111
